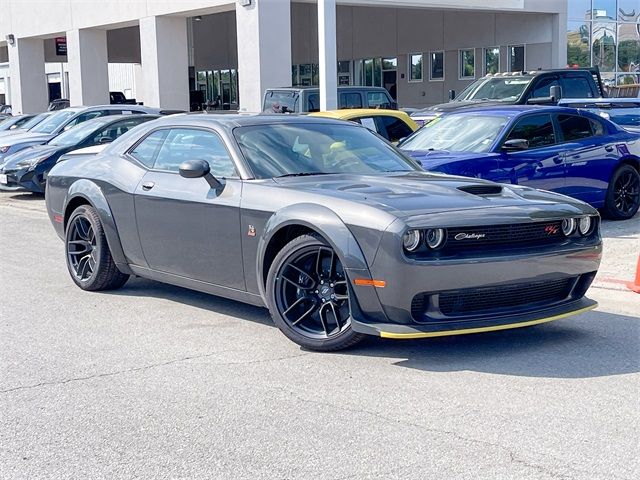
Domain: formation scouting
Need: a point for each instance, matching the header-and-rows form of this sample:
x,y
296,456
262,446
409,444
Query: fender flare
x,y
91,192
320,219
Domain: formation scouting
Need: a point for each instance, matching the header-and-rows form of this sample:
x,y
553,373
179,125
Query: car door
x,y
542,164
186,228
589,157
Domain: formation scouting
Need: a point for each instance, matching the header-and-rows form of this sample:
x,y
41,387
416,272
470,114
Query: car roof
x,y
340,87
346,113
241,119
511,110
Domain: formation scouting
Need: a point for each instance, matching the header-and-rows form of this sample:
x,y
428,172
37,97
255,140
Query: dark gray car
x,y
336,231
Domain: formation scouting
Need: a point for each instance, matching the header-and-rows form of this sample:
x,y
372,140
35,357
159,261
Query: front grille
x,y
529,233
474,301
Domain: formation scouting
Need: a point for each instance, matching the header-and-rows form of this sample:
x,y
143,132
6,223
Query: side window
x,y
114,130
543,87
350,100
574,127
145,152
313,102
184,144
597,128
83,117
377,100
368,122
396,128
576,87
536,129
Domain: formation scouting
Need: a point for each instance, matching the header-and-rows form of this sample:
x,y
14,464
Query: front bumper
x,y
24,178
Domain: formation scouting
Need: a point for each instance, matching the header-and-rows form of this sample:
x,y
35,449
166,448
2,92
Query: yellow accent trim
x,y
484,329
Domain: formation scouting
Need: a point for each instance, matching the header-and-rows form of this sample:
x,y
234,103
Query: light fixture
x,y
11,39
244,3
198,18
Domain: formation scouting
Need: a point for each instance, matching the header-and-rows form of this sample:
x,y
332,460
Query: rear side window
x,y
83,117
350,100
576,87
574,127
280,102
145,152
395,128
536,129
313,102
597,128
114,130
543,87
378,100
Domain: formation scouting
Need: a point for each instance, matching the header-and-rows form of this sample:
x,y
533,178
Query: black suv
x,y
519,88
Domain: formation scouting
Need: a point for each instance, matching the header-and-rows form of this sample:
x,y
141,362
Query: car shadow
x,y
593,344
26,196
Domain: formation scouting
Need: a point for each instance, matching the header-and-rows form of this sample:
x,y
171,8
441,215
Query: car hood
x,y
25,137
430,159
29,153
457,105
415,194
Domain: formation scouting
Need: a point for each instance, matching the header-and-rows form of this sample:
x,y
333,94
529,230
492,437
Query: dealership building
x,y
224,54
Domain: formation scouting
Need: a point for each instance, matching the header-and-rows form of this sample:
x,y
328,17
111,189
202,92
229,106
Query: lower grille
x,y
475,301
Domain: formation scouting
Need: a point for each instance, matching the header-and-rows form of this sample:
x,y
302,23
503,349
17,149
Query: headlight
x,y
31,162
435,237
411,240
568,226
585,225
5,148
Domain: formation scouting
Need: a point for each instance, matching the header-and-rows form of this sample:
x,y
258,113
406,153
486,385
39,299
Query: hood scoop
x,y
482,189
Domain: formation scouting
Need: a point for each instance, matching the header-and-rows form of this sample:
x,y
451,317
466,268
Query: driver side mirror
x,y
198,169
515,144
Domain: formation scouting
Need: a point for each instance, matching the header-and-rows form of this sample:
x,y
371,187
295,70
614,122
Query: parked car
x,y
623,111
541,87
307,99
59,104
29,167
393,125
28,125
324,222
12,123
118,98
569,151
5,111
60,121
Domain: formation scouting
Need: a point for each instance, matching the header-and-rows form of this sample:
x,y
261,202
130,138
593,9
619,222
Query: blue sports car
x,y
565,150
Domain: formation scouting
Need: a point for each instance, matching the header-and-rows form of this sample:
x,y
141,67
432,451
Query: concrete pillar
x,y
264,49
165,66
29,92
88,67
328,55
559,41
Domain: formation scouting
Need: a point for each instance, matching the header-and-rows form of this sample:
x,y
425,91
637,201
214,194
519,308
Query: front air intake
x,y
482,189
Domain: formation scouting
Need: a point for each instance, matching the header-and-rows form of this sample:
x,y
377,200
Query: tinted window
x,y
378,100
184,144
543,87
145,152
574,127
396,128
576,87
597,128
536,129
350,100
83,117
313,102
113,131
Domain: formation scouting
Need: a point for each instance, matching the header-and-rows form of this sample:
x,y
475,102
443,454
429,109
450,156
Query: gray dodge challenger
x,y
334,230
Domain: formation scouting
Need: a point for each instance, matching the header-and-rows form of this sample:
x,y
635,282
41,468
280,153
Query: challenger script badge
x,y
469,236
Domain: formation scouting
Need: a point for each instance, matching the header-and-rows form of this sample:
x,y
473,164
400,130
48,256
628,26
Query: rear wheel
x,y
623,195
89,259
308,295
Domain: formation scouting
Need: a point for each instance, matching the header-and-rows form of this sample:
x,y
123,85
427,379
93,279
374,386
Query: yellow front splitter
x,y
493,328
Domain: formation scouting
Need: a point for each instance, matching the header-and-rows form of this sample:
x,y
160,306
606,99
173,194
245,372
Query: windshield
x,y
458,133
57,119
495,88
280,101
315,148
77,134
34,121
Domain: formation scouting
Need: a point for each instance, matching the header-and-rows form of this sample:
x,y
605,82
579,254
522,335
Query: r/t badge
x,y
252,231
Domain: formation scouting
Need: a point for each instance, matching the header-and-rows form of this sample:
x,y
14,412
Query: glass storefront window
x,y
377,72
516,58
389,63
604,10
579,10
629,10
415,67
628,48
603,45
368,71
578,51
491,60
437,66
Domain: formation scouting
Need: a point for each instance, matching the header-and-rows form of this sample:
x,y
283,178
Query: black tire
x,y
87,253
311,306
623,195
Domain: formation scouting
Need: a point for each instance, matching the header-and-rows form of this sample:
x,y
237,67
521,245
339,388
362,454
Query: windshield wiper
x,y
301,174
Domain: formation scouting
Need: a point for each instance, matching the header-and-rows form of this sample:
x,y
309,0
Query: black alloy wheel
x,y
309,295
623,195
81,248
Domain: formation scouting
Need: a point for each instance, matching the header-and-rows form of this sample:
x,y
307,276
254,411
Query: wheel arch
x,y
301,219
628,160
86,192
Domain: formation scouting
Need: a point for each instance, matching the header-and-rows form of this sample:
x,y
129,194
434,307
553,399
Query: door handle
x,y
147,186
609,148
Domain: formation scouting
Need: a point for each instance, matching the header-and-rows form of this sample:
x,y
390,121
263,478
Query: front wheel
x,y
89,259
623,195
309,296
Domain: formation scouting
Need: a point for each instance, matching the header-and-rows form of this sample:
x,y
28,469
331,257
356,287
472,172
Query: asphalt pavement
x,y
154,382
